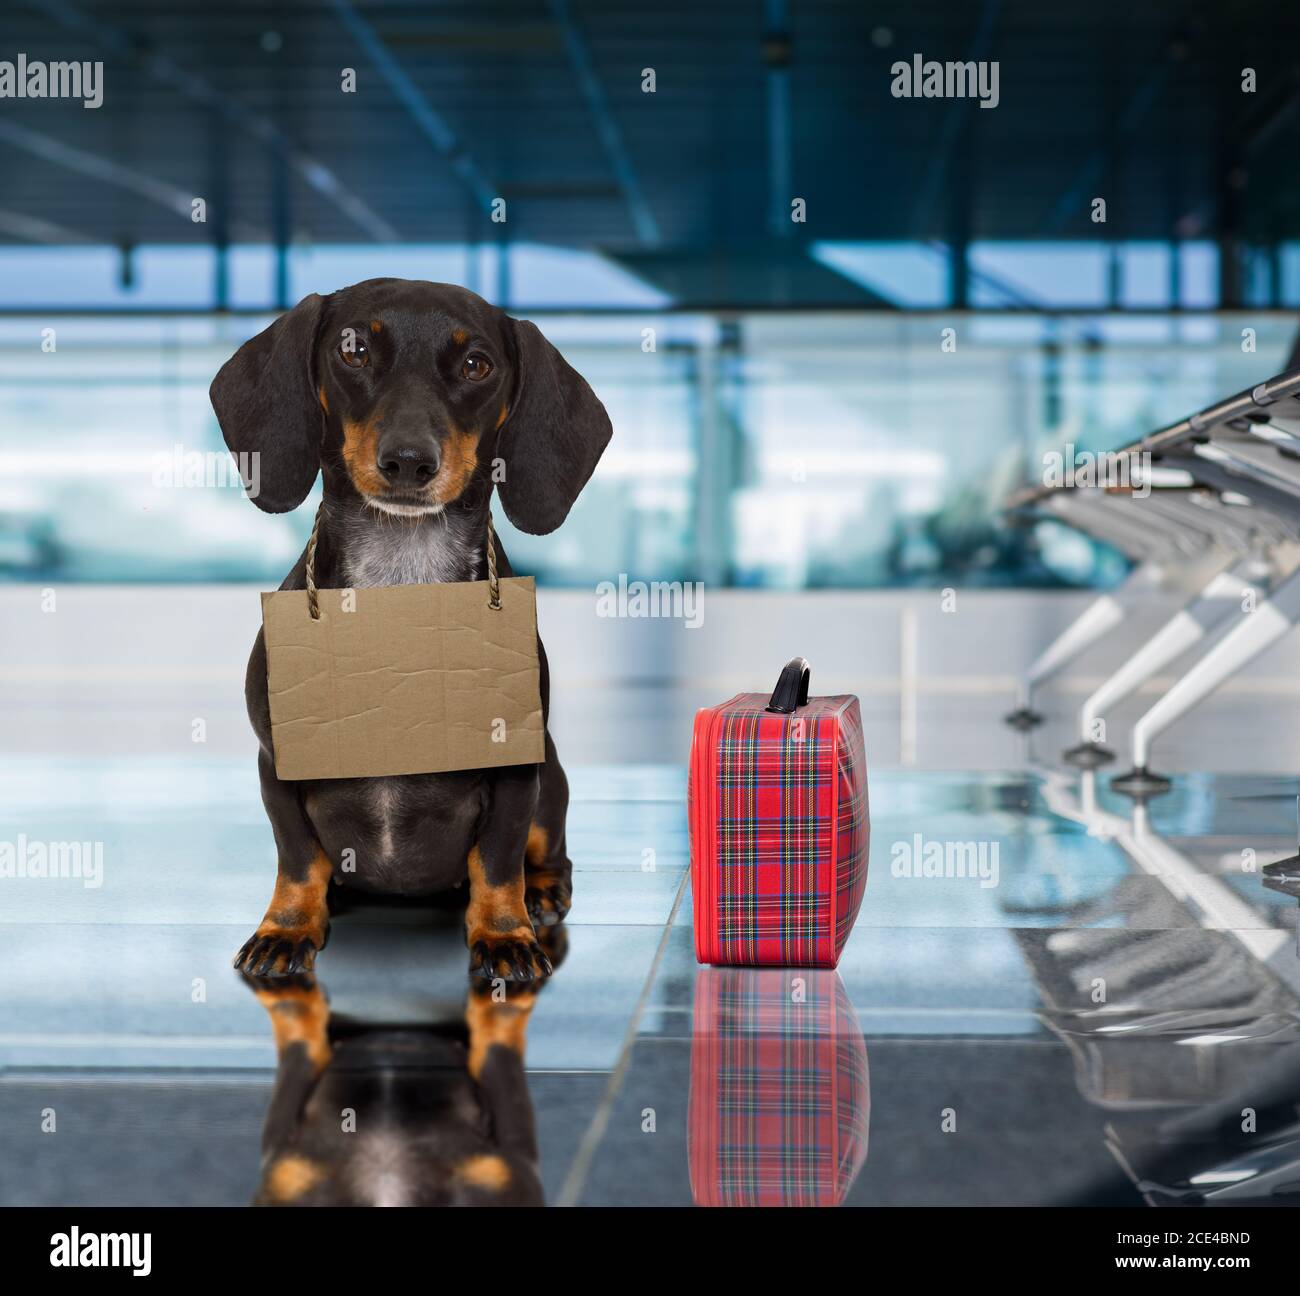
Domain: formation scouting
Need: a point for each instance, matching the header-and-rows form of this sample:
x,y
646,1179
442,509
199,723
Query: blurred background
x,y
820,418
785,415
790,430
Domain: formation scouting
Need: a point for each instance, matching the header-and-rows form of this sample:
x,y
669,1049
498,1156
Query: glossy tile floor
x,y
1084,1022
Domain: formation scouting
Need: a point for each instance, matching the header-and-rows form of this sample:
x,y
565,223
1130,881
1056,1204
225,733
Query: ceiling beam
x,y
315,174
607,129
780,170
431,124
48,149
1073,203
32,229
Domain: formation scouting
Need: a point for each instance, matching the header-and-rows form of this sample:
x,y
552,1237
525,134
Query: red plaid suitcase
x,y
780,1099
780,826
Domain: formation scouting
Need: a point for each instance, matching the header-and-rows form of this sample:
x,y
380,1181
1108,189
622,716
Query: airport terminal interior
x,y
1025,482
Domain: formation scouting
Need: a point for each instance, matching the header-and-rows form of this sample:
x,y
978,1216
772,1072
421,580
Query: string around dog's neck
x,y
313,598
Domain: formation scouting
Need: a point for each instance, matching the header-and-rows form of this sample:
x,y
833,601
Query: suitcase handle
x,y
791,690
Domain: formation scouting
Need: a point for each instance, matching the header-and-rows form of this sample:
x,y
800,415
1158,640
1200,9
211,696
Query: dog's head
x,y
412,396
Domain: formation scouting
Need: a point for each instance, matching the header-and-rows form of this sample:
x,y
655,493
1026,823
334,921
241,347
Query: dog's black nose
x,y
410,466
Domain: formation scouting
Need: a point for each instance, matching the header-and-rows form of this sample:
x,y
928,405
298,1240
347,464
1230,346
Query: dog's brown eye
x,y
476,367
353,349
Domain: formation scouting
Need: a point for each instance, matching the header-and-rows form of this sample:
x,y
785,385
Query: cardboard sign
x,y
415,679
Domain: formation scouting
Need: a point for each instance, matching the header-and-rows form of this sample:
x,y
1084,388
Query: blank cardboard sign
x,y
416,679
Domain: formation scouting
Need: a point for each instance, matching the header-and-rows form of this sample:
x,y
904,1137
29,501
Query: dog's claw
x,y
276,954
510,959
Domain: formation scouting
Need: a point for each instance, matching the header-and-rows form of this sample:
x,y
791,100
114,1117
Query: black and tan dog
x,y
365,1112
413,400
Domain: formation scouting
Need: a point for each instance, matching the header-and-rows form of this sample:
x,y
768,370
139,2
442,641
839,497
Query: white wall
x,y
127,669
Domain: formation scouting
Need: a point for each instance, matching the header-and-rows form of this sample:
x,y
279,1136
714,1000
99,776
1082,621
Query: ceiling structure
x,y
543,104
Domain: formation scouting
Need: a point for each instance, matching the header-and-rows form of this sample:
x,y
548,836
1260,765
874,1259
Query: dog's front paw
x,y
516,956
273,951
547,897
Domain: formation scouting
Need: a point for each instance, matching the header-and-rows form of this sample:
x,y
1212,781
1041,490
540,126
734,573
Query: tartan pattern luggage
x,y
780,1092
779,824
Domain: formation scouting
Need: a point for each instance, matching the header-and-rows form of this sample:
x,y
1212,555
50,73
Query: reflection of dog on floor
x,y
369,1114
414,400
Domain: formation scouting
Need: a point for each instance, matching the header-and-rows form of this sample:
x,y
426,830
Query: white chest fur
x,y
395,551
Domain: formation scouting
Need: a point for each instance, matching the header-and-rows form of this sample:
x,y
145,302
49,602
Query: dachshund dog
x,y
413,400
366,1111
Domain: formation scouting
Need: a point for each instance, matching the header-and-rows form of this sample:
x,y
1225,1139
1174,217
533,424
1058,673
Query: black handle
x,y
792,688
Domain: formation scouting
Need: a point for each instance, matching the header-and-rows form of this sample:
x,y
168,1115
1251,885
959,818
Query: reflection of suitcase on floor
x,y
779,825
780,1093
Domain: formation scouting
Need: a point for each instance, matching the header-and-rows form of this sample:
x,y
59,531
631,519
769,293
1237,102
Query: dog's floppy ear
x,y
266,403
553,435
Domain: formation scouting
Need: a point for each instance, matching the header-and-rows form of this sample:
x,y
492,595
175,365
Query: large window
x,y
768,450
